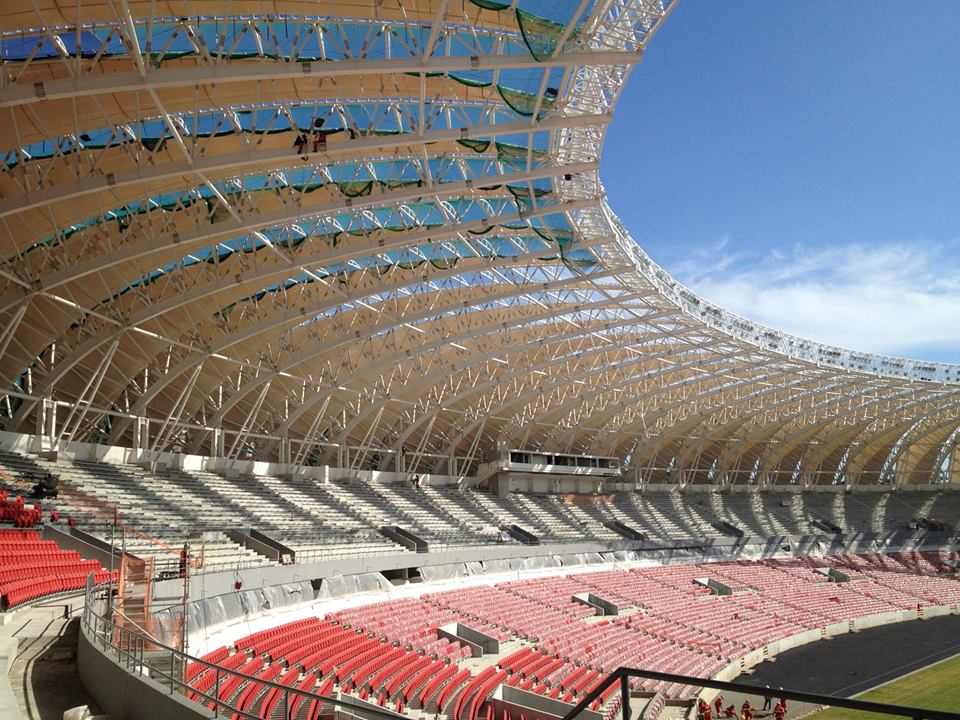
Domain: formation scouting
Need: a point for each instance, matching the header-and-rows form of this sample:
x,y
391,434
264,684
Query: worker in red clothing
x,y
718,704
779,711
184,558
783,701
747,710
731,711
702,707
707,713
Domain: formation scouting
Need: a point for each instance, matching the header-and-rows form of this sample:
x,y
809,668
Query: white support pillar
x,y
284,449
47,424
141,435
217,443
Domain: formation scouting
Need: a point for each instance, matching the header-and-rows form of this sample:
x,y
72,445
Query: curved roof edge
x,y
767,338
702,310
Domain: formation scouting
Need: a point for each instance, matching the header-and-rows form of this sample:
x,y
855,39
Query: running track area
x,y
849,664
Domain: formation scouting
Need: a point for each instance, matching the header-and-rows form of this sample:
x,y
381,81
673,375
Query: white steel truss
x,y
332,238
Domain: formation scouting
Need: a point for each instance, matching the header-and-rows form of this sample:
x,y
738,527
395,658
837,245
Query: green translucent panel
x,y
509,154
490,4
356,188
479,146
524,103
479,79
516,155
523,193
541,35
153,144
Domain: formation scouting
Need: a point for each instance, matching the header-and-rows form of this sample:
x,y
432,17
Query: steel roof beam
x,y
270,70
213,164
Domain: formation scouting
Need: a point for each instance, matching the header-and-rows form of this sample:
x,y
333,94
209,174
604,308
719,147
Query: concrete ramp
x,y
715,586
603,606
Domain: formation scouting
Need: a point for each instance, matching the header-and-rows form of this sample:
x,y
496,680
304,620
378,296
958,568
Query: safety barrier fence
x,y
141,654
623,676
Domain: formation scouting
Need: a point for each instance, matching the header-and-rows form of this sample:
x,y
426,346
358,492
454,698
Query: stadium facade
x,y
374,235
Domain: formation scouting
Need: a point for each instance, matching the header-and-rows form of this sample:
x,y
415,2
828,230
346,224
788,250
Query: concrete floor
x,y
43,677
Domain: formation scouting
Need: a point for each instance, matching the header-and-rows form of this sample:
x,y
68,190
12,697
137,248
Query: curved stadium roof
x,y
307,225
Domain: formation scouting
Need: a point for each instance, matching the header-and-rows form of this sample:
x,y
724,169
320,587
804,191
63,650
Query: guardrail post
x,y
286,705
625,696
216,694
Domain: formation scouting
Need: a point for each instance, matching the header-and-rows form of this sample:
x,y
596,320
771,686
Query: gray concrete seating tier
x,y
341,519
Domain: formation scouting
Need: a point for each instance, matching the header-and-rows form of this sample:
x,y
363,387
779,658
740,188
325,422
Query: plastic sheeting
x,y
541,562
443,572
581,559
209,614
454,570
495,566
337,586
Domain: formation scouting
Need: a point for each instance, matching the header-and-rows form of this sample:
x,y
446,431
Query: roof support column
x,y
47,424
217,444
141,436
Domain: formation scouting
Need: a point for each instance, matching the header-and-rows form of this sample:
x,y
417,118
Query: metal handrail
x,y
623,675
131,645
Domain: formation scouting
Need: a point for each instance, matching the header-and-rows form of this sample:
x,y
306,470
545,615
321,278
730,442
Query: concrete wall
x,y
88,551
20,443
659,551
123,695
126,696
219,583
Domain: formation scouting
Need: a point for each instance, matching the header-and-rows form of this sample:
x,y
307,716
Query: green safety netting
x,y
525,193
490,4
438,255
216,211
292,236
509,154
552,229
541,35
474,78
525,103
480,146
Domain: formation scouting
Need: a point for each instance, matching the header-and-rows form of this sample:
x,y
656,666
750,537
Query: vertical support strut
x,y
91,388
625,696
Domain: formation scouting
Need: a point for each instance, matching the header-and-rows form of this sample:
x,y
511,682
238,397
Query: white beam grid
x,y
430,309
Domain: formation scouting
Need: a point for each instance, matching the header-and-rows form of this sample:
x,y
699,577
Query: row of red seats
x,y
31,568
23,591
281,631
18,512
681,627
357,664
47,567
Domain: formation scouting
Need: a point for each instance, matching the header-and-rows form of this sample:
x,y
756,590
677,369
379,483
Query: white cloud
x,y
894,299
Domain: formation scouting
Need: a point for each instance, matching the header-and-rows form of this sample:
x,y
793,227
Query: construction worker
x,y
184,556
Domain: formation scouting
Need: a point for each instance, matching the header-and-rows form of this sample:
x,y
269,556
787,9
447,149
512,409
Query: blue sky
x,y
799,163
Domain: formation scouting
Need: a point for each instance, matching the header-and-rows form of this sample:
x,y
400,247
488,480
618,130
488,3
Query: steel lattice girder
x,y
434,262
